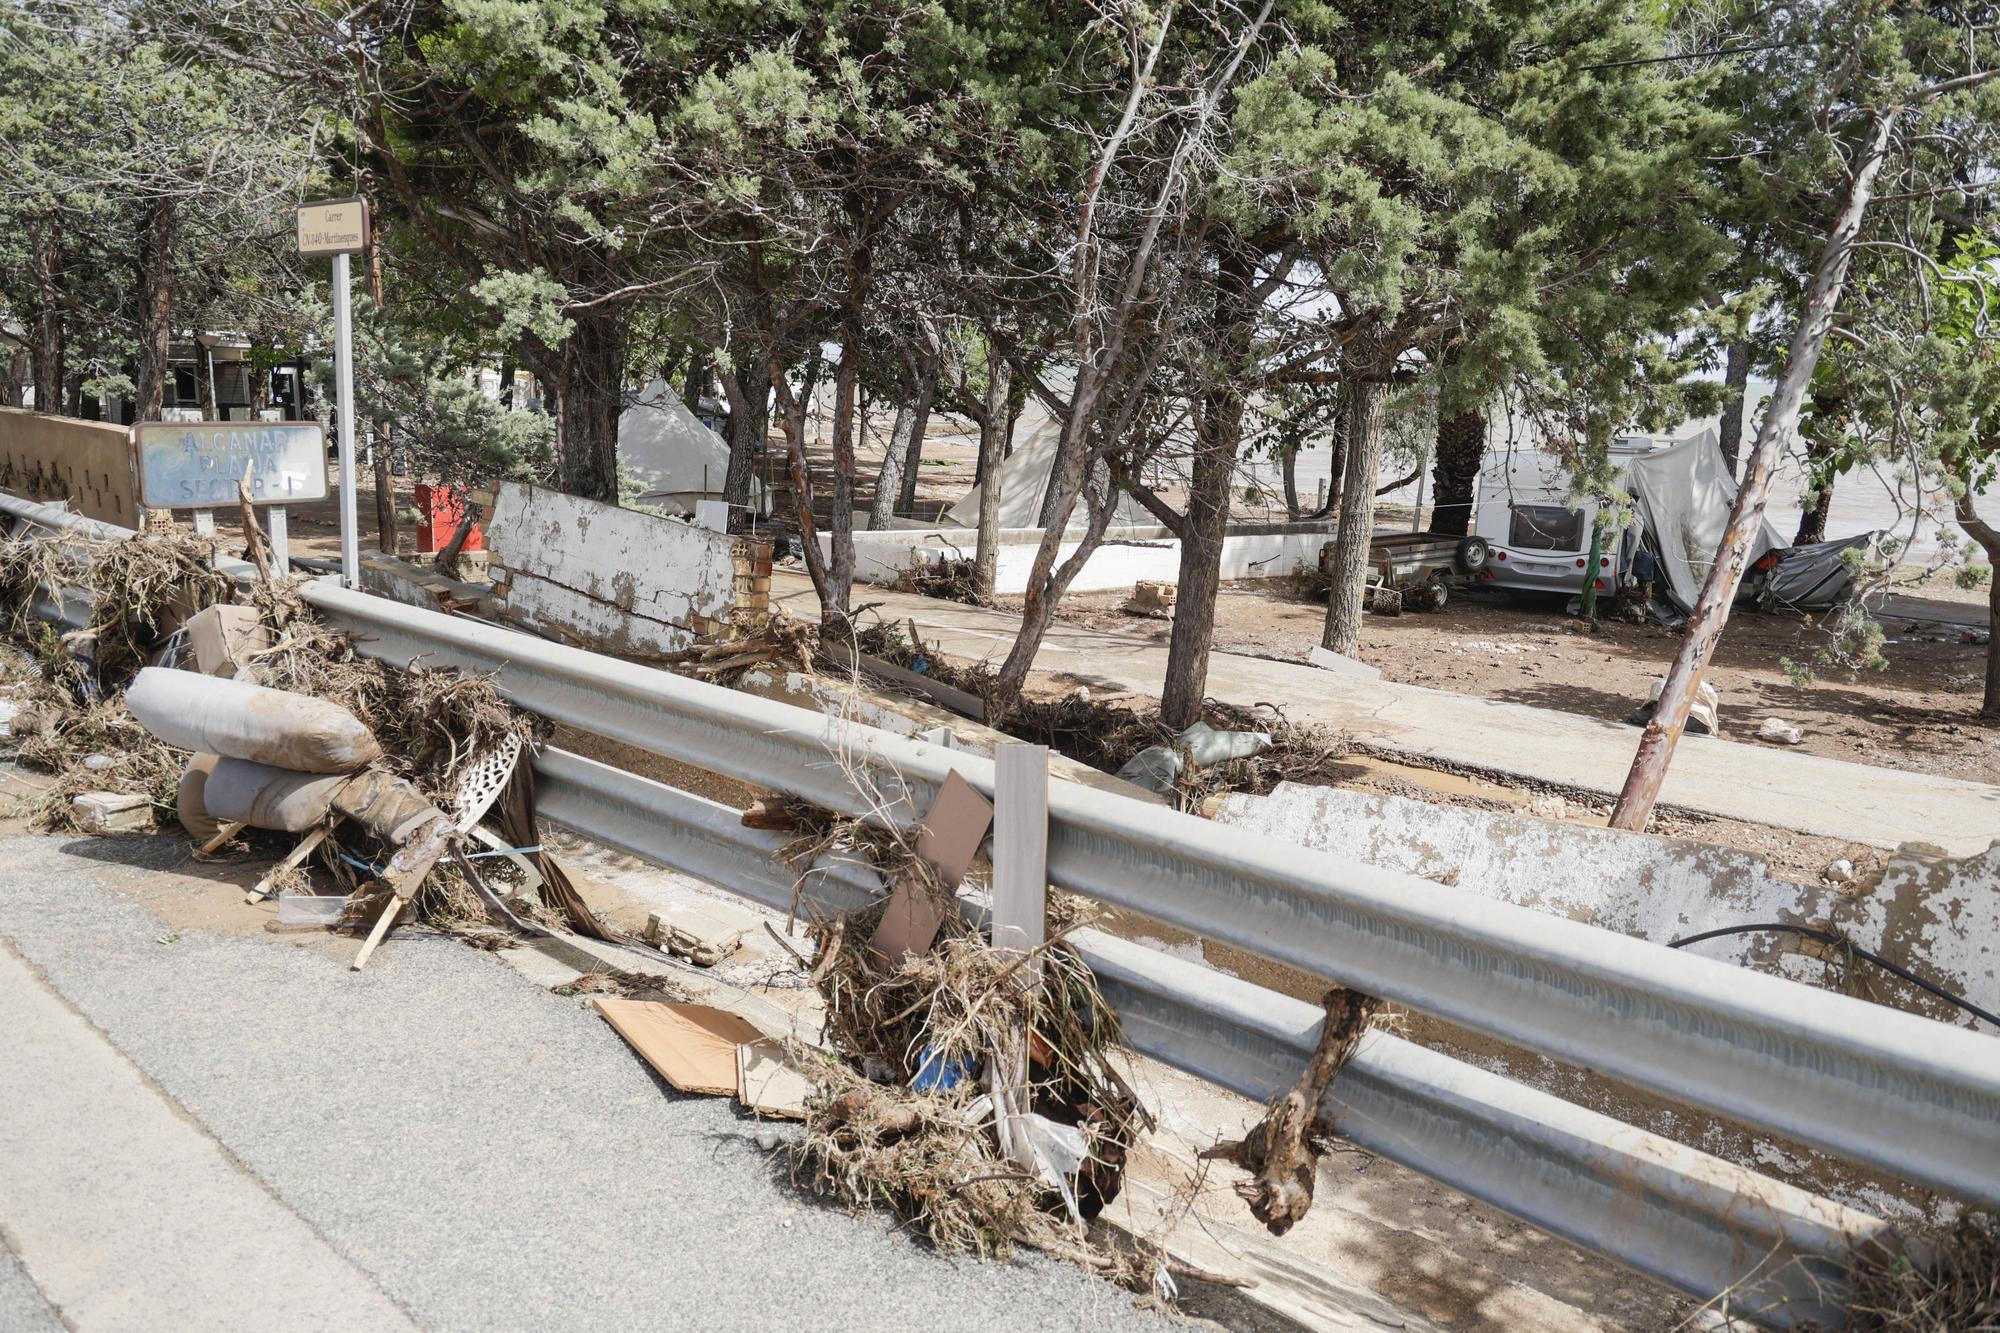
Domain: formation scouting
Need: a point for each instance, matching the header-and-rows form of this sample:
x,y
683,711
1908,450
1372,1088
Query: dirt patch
x,y
1919,714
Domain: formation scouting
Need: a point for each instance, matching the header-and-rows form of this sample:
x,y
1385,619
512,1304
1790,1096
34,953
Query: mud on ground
x,y
1920,714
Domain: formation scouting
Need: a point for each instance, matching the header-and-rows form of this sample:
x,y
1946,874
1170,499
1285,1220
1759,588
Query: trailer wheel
x,y
1435,594
1472,555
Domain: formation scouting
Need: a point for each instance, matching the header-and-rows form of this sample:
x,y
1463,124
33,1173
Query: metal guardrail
x,y
1694,1221
1917,1097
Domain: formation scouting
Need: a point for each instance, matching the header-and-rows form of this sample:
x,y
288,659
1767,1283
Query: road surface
x,y
218,1129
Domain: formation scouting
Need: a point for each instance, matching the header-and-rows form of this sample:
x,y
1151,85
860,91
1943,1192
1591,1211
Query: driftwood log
x,y
1279,1152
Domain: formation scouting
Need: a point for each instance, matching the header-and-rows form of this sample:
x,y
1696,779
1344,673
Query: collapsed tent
x,y
674,457
1683,495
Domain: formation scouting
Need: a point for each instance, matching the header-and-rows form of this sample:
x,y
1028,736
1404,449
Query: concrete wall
x,y
87,463
1247,553
620,580
1934,915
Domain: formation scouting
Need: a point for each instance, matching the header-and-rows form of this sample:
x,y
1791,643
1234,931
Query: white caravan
x,y
1537,532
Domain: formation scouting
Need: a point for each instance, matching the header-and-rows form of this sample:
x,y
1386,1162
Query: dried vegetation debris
x,y
1106,735
948,578
138,592
1944,1281
904,1114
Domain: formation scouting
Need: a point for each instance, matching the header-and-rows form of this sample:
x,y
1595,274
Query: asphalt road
x,y
206,1128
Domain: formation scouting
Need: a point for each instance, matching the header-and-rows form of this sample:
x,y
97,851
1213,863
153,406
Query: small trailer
x,y
1414,570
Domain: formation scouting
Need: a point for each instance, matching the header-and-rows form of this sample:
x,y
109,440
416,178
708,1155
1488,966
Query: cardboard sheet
x,y
693,1046
954,828
910,923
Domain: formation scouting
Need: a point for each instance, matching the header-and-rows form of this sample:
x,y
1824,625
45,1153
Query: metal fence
x,y
1917,1099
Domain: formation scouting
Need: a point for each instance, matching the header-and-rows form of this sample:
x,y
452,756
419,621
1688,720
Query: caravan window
x,y
1546,528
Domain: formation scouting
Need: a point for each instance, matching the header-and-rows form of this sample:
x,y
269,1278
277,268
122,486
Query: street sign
x,y
333,226
197,464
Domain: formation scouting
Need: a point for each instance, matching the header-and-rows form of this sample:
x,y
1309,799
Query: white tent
x,y
674,457
1025,477
1683,495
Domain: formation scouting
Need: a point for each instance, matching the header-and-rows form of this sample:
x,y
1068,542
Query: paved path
x,y
212,1130
1830,797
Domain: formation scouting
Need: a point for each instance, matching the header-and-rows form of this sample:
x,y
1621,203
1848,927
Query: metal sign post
x,y
339,228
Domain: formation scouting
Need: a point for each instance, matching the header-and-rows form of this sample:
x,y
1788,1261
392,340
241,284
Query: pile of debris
x,y
1230,749
971,1090
170,700
949,578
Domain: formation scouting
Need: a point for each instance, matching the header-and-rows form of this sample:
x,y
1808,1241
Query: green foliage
x,y
439,416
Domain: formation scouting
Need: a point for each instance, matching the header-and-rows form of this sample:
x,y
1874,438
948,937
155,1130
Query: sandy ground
x,y
1921,713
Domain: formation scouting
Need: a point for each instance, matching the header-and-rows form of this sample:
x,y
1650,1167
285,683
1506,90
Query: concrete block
x,y
1936,915
1341,664
103,812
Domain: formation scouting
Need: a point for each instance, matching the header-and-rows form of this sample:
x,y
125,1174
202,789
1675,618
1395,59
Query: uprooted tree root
x,y
1280,1151
1947,1281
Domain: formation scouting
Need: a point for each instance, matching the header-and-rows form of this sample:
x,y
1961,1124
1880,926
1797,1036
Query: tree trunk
x,y
749,416
992,445
590,389
1988,538
385,478
889,480
204,379
701,369
1780,424
156,307
1218,435
1461,449
840,517
1357,512
1736,383
1200,576
792,420
1821,446
920,424
47,350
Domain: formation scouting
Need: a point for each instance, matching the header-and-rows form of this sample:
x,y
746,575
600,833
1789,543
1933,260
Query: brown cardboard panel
x,y
909,923
954,828
693,1046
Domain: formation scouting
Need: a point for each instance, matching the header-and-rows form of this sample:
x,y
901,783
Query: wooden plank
x,y
939,693
222,835
262,887
1020,846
